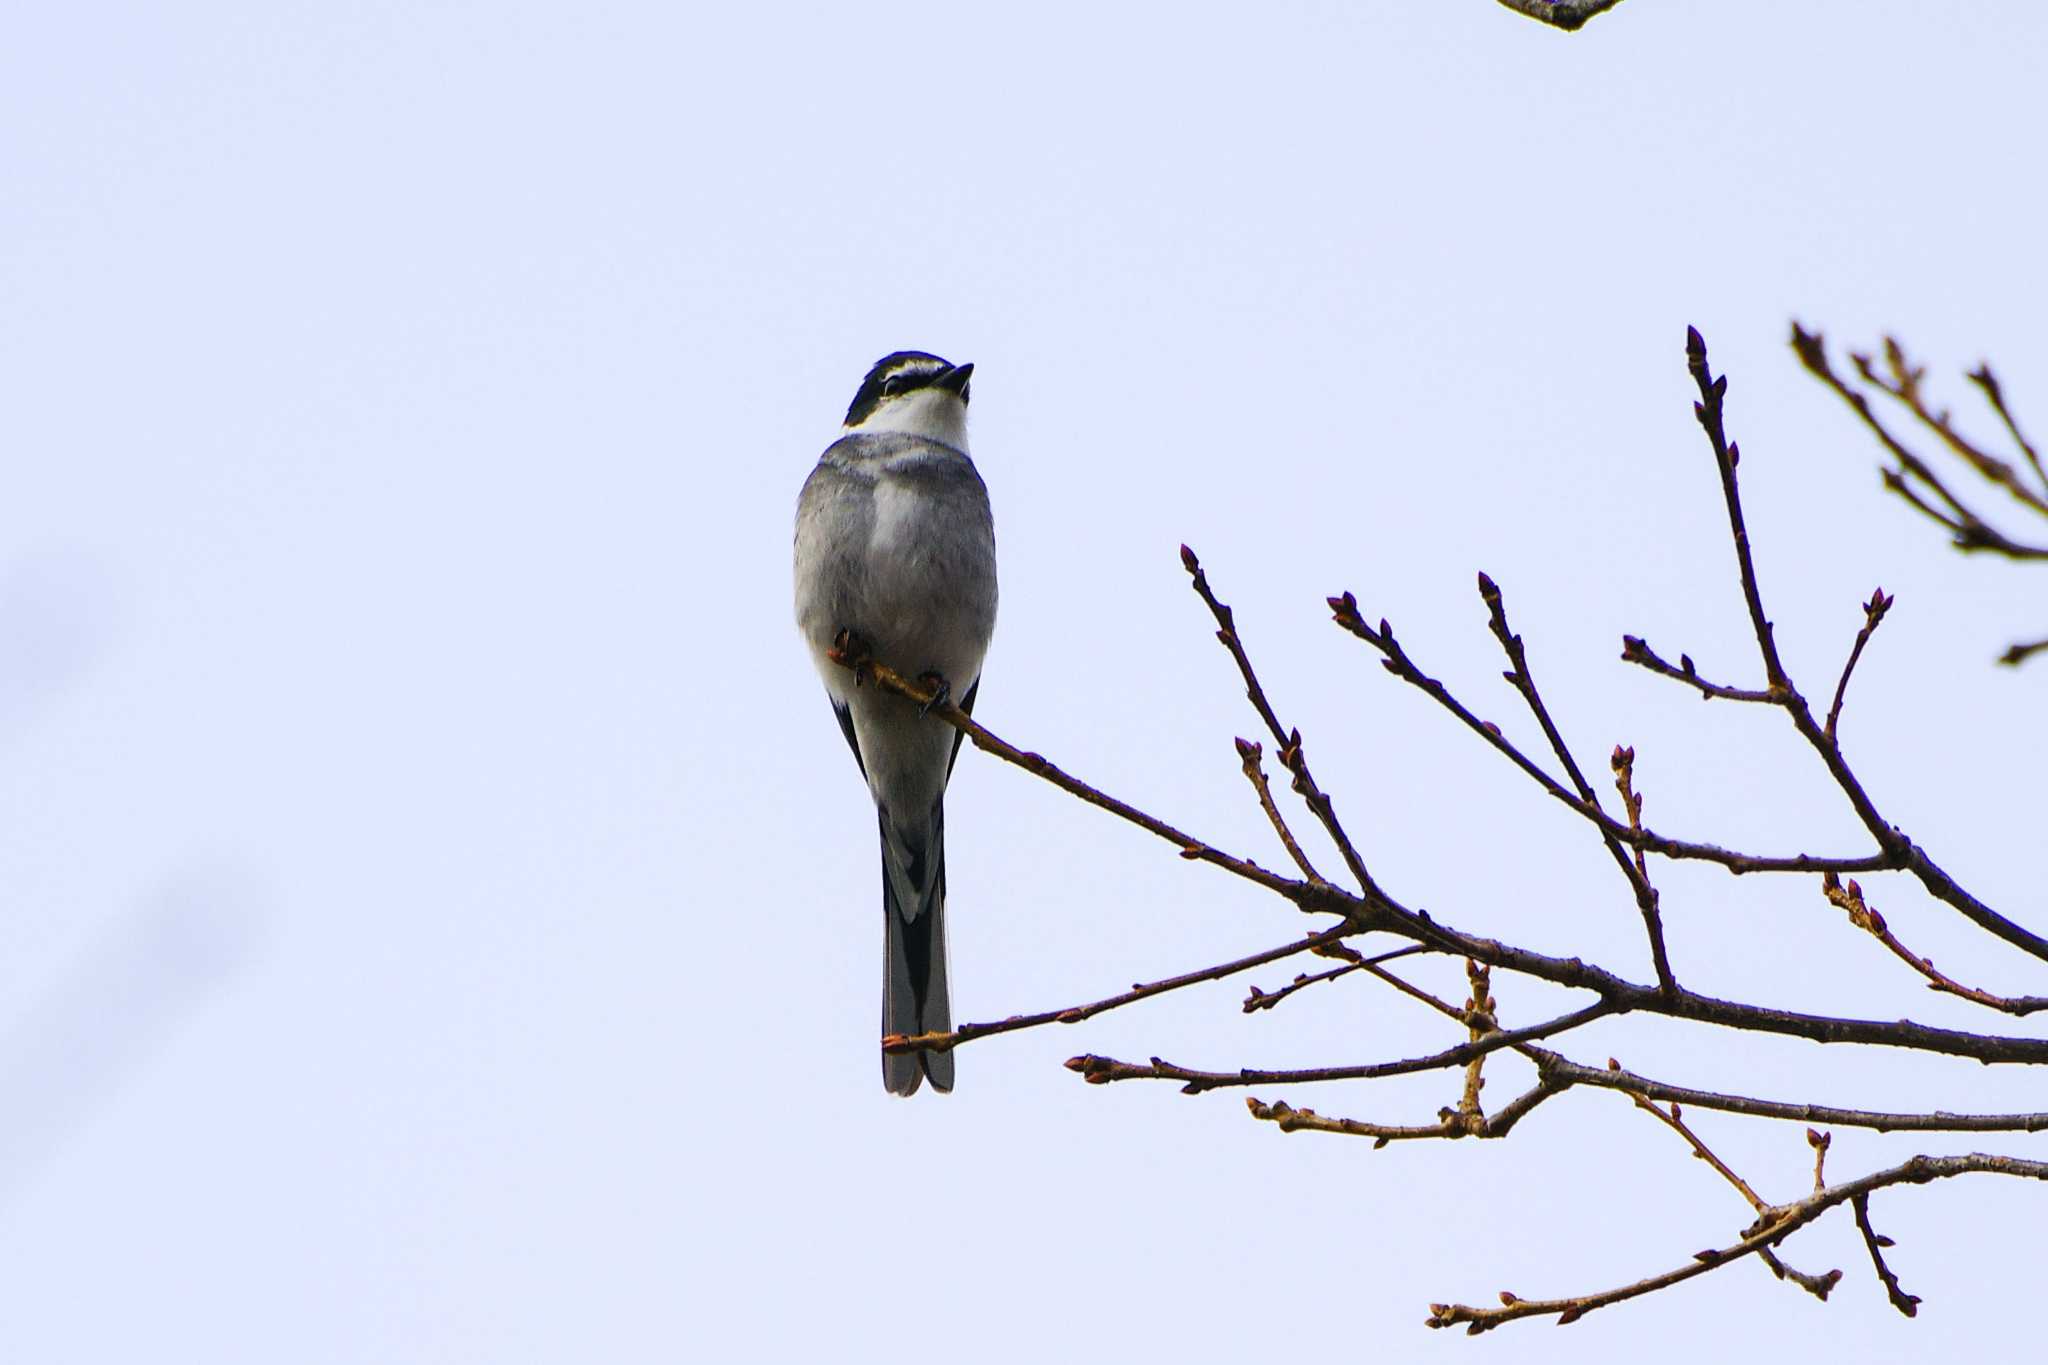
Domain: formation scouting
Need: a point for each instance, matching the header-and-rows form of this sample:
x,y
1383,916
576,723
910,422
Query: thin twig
x,y
1415,992
1956,524
1290,751
1648,899
1448,1125
1820,1286
1849,899
1875,1242
1727,455
1904,387
1789,1218
1106,1070
1674,1119
1523,681
1479,1024
1635,650
1709,410
1994,395
1623,762
1074,1014
1969,532
1256,772
1257,999
1873,613
2020,651
1313,898
1565,1073
1344,611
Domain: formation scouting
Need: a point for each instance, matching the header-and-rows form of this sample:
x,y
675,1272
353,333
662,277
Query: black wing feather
x,y
967,705
844,713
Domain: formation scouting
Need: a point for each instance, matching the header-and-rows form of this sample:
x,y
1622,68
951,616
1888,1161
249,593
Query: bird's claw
x,y
853,651
942,692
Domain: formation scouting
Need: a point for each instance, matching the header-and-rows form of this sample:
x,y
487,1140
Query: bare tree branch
x,y
1524,682
1987,382
2020,651
1903,386
1563,1073
1786,1220
1106,1070
1308,897
1909,1304
1074,1014
1873,613
1345,612
1637,651
1820,1286
1290,751
1969,531
1449,1124
1889,838
1629,843
1915,480
1618,995
1674,1119
1264,1000
1850,900
1255,772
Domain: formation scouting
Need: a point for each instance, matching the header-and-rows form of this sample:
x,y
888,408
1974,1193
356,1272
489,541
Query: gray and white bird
x,y
895,545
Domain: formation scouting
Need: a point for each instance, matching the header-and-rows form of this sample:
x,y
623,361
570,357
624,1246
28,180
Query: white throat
x,y
935,414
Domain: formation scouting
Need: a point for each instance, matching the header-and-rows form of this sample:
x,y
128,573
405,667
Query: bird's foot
x,y
853,651
942,691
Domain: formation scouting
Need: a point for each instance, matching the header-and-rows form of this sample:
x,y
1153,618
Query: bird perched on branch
x,y
896,560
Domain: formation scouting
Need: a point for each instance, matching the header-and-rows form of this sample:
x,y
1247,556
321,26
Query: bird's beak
x,y
955,379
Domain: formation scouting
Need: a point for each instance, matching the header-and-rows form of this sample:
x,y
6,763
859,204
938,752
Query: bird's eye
x,y
893,385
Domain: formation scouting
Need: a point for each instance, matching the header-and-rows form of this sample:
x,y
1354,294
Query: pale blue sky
x,y
440,909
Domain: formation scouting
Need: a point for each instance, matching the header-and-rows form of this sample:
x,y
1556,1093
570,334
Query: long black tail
x,y
914,993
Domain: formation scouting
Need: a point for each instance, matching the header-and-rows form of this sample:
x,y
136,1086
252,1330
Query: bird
x,y
896,556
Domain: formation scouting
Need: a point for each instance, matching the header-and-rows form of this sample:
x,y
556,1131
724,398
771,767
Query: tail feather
x,y
915,996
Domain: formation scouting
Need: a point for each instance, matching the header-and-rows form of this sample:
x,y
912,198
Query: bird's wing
x,y
966,705
845,716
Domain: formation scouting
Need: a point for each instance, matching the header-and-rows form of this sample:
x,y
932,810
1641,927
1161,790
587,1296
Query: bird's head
x,y
915,393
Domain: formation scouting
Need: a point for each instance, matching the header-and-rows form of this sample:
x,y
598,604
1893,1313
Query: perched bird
x,y
895,549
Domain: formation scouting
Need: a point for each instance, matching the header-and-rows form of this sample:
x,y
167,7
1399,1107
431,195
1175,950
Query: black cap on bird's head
x,y
906,372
